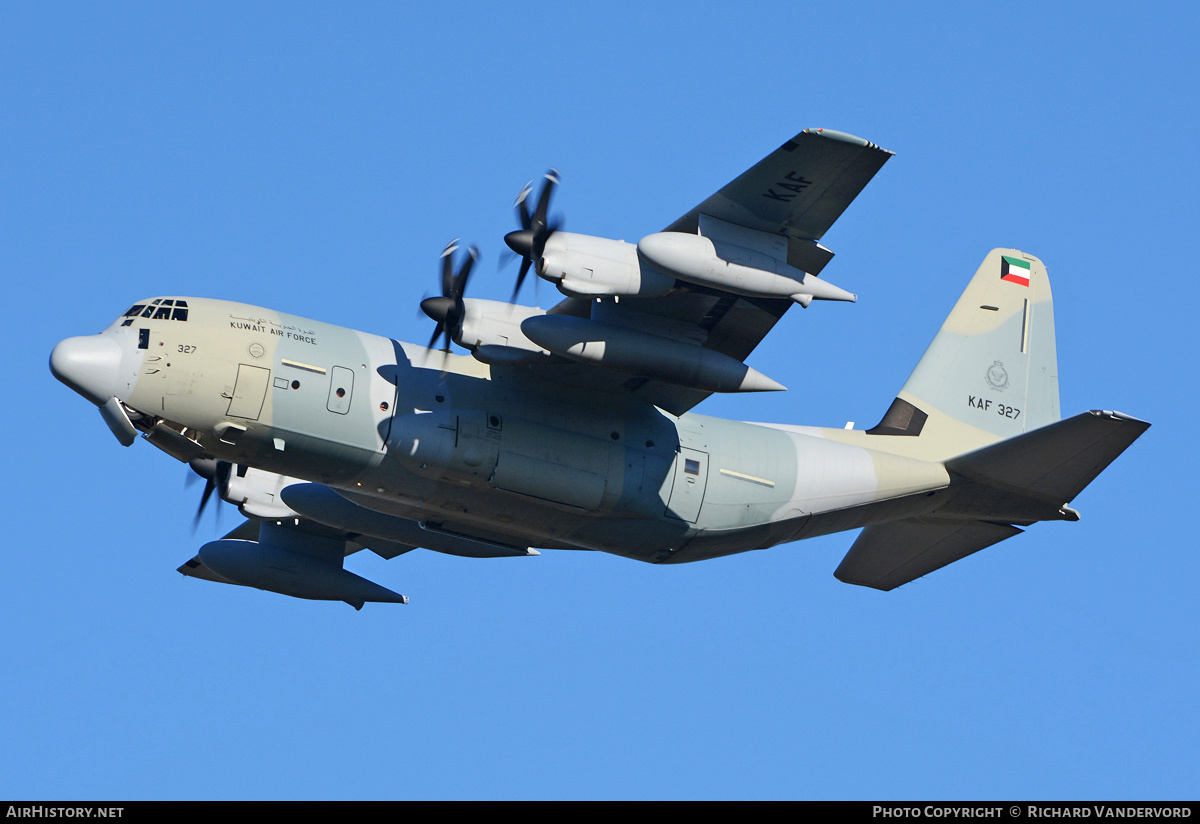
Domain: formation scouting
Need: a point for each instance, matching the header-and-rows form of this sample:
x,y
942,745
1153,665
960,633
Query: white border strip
x,y
320,370
743,477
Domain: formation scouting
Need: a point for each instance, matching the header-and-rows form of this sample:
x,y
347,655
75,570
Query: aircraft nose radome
x,y
89,365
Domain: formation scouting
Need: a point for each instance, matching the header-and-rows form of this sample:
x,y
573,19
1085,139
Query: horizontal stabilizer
x,y
888,555
1056,461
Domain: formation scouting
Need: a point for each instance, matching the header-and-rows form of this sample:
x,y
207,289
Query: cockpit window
x,y
159,309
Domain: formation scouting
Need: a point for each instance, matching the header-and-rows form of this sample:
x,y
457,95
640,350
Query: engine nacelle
x,y
256,492
596,267
496,325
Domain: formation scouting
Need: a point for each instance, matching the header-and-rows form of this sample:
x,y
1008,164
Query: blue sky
x,y
315,159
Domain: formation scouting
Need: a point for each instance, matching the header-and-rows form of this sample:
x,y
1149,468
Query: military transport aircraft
x,y
571,428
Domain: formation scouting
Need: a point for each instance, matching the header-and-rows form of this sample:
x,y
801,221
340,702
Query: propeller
x,y
449,310
216,475
530,240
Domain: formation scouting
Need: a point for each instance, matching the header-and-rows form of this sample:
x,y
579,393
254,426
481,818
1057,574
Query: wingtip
x,y
845,137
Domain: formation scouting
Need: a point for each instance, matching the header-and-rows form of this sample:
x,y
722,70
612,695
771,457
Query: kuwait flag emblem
x,y
1014,270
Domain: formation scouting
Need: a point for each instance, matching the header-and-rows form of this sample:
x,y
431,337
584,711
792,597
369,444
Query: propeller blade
x,y
529,241
522,208
460,282
447,267
209,486
216,476
525,264
437,330
543,206
449,309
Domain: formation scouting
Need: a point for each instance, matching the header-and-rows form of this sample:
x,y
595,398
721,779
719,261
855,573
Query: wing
x,y
798,191
303,557
780,208
296,557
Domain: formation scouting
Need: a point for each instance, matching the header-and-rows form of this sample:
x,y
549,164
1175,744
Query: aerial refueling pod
x,y
736,269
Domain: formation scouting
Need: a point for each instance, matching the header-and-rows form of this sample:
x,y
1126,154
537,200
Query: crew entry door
x,y
249,392
691,476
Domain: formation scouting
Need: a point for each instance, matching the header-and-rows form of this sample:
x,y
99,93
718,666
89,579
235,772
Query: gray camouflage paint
x,y
260,388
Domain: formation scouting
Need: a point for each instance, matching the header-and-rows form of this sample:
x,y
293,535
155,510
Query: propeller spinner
x,y
530,240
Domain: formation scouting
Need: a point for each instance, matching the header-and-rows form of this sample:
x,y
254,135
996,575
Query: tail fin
x,y
984,400
992,371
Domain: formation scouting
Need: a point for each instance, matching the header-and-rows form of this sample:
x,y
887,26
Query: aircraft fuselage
x,y
457,446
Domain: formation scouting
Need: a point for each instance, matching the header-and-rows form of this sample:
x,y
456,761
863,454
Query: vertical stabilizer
x,y
984,400
992,371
